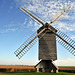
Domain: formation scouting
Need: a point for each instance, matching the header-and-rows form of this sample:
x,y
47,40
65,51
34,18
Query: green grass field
x,y
35,73
66,66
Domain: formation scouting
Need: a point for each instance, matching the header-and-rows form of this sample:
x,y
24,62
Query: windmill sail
x,y
25,47
70,45
33,16
65,41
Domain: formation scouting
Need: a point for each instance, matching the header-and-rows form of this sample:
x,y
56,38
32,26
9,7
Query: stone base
x,y
46,66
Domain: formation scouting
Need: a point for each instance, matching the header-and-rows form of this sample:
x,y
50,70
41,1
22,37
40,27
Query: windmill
x,y
47,36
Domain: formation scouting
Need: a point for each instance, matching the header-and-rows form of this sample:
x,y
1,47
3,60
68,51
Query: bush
x,y
4,70
24,70
70,71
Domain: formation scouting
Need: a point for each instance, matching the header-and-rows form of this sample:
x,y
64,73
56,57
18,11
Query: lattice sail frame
x,y
65,41
25,47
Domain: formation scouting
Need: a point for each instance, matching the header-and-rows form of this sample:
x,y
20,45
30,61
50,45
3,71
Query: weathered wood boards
x,y
47,46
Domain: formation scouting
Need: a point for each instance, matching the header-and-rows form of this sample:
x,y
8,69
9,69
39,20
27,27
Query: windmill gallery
x,y
47,36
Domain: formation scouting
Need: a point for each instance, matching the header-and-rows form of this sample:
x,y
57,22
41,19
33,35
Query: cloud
x,y
8,30
25,21
11,7
73,37
65,62
46,8
13,27
65,26
30,24
11,30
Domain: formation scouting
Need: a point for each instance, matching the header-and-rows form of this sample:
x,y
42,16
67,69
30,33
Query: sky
x,y
16,27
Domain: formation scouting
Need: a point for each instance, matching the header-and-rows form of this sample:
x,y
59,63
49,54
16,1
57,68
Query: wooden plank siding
x,y
47,46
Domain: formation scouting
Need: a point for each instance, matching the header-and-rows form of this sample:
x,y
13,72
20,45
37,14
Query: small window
x,y
40,69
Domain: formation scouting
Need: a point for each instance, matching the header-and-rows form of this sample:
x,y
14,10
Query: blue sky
x,y
16,27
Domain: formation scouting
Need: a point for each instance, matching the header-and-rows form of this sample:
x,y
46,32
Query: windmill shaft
x,y
32,15
31,40
59,15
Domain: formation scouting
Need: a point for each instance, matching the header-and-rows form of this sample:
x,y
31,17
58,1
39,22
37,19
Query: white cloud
x,y
13,26
64,26
11,7
8,30
45,9
65,62
30,24
25,21
73,37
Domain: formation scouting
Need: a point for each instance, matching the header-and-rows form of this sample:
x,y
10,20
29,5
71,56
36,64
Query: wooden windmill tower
x,y
47,36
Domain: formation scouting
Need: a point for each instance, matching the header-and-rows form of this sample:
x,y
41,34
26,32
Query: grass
x,y
35,73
